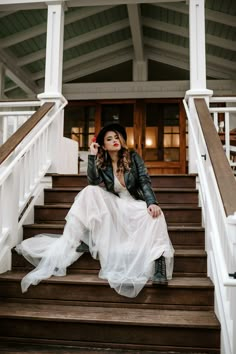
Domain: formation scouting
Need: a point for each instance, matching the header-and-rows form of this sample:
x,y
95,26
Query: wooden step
x,y
158,181
186,263
163,195
112,327
182,215
19,348
87,289
181,236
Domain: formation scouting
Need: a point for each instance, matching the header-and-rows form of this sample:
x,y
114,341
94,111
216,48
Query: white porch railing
x,y
42,150
13,115
225,122
220,229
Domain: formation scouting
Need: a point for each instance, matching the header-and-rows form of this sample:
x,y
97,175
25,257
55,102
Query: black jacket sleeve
x,y
144,180
92,172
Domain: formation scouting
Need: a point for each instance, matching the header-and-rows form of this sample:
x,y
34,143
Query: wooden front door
x,y
155,129
162,135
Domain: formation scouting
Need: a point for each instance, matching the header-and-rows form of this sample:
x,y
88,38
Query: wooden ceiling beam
x,y
181,62
42,28
21,77
135,21
210,15
225,68
6,13
75,62
76,41
184,32
7,5
95,65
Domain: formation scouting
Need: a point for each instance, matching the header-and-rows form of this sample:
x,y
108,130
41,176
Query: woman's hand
x,y
154,210
94,148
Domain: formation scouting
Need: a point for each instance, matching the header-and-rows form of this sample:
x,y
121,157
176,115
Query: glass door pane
x,y
79,124
122,114
162,132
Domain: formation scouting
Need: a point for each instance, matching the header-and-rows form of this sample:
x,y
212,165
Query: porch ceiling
x,y
101,41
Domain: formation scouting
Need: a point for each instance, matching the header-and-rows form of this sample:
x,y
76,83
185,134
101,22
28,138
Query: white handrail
x,y
13,115
225,123
220,232
13,104
28,145
17,113
223,99
21,173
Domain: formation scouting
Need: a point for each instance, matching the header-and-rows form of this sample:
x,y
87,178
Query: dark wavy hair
x,y
123,163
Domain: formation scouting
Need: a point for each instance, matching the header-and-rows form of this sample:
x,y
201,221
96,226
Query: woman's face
x,y
111,142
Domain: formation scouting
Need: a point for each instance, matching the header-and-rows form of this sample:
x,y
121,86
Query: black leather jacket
x,y
137,180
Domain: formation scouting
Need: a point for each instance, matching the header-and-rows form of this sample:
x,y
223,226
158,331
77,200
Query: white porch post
x,y
2,96
197,45
53,84
54,49
2,80
197,58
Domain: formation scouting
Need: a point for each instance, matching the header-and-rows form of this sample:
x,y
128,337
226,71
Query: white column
x,y
197,53
53,80
197,59
54,49
2,96
2,80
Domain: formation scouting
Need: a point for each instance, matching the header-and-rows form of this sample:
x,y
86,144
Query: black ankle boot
x,y
160,272
82,247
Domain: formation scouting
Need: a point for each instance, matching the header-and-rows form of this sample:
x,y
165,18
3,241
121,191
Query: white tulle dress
x,y
119,232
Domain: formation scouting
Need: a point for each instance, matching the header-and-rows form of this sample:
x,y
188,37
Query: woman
x,y
119,223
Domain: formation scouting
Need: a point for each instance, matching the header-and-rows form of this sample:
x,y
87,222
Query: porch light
x,y
151,137
149,142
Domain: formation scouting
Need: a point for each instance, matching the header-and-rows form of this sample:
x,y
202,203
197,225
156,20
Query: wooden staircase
x,y
80,313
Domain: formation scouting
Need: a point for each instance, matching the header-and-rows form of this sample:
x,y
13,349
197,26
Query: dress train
x,y
118,230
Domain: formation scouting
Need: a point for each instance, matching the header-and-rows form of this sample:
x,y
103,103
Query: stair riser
x,y
185,239
103,295
53,197
121,336
178,216
182,264
162,181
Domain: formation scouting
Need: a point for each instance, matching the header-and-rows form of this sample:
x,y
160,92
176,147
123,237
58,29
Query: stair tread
x,y
190,252
21,348
110,315
163,206
91,278
156,189
170,227
186,252
152,175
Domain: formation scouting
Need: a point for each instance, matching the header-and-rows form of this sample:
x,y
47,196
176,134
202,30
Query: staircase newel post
x,y
2,80
231,285
233,316
231,267
9,216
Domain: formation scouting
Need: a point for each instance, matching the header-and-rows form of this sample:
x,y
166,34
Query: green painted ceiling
x,y
23,38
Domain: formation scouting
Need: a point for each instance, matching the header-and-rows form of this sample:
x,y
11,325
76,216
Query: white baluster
x,y
215,116
227,135
5,128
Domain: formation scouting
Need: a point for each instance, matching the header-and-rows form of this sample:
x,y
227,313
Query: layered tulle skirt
x,y
119,232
